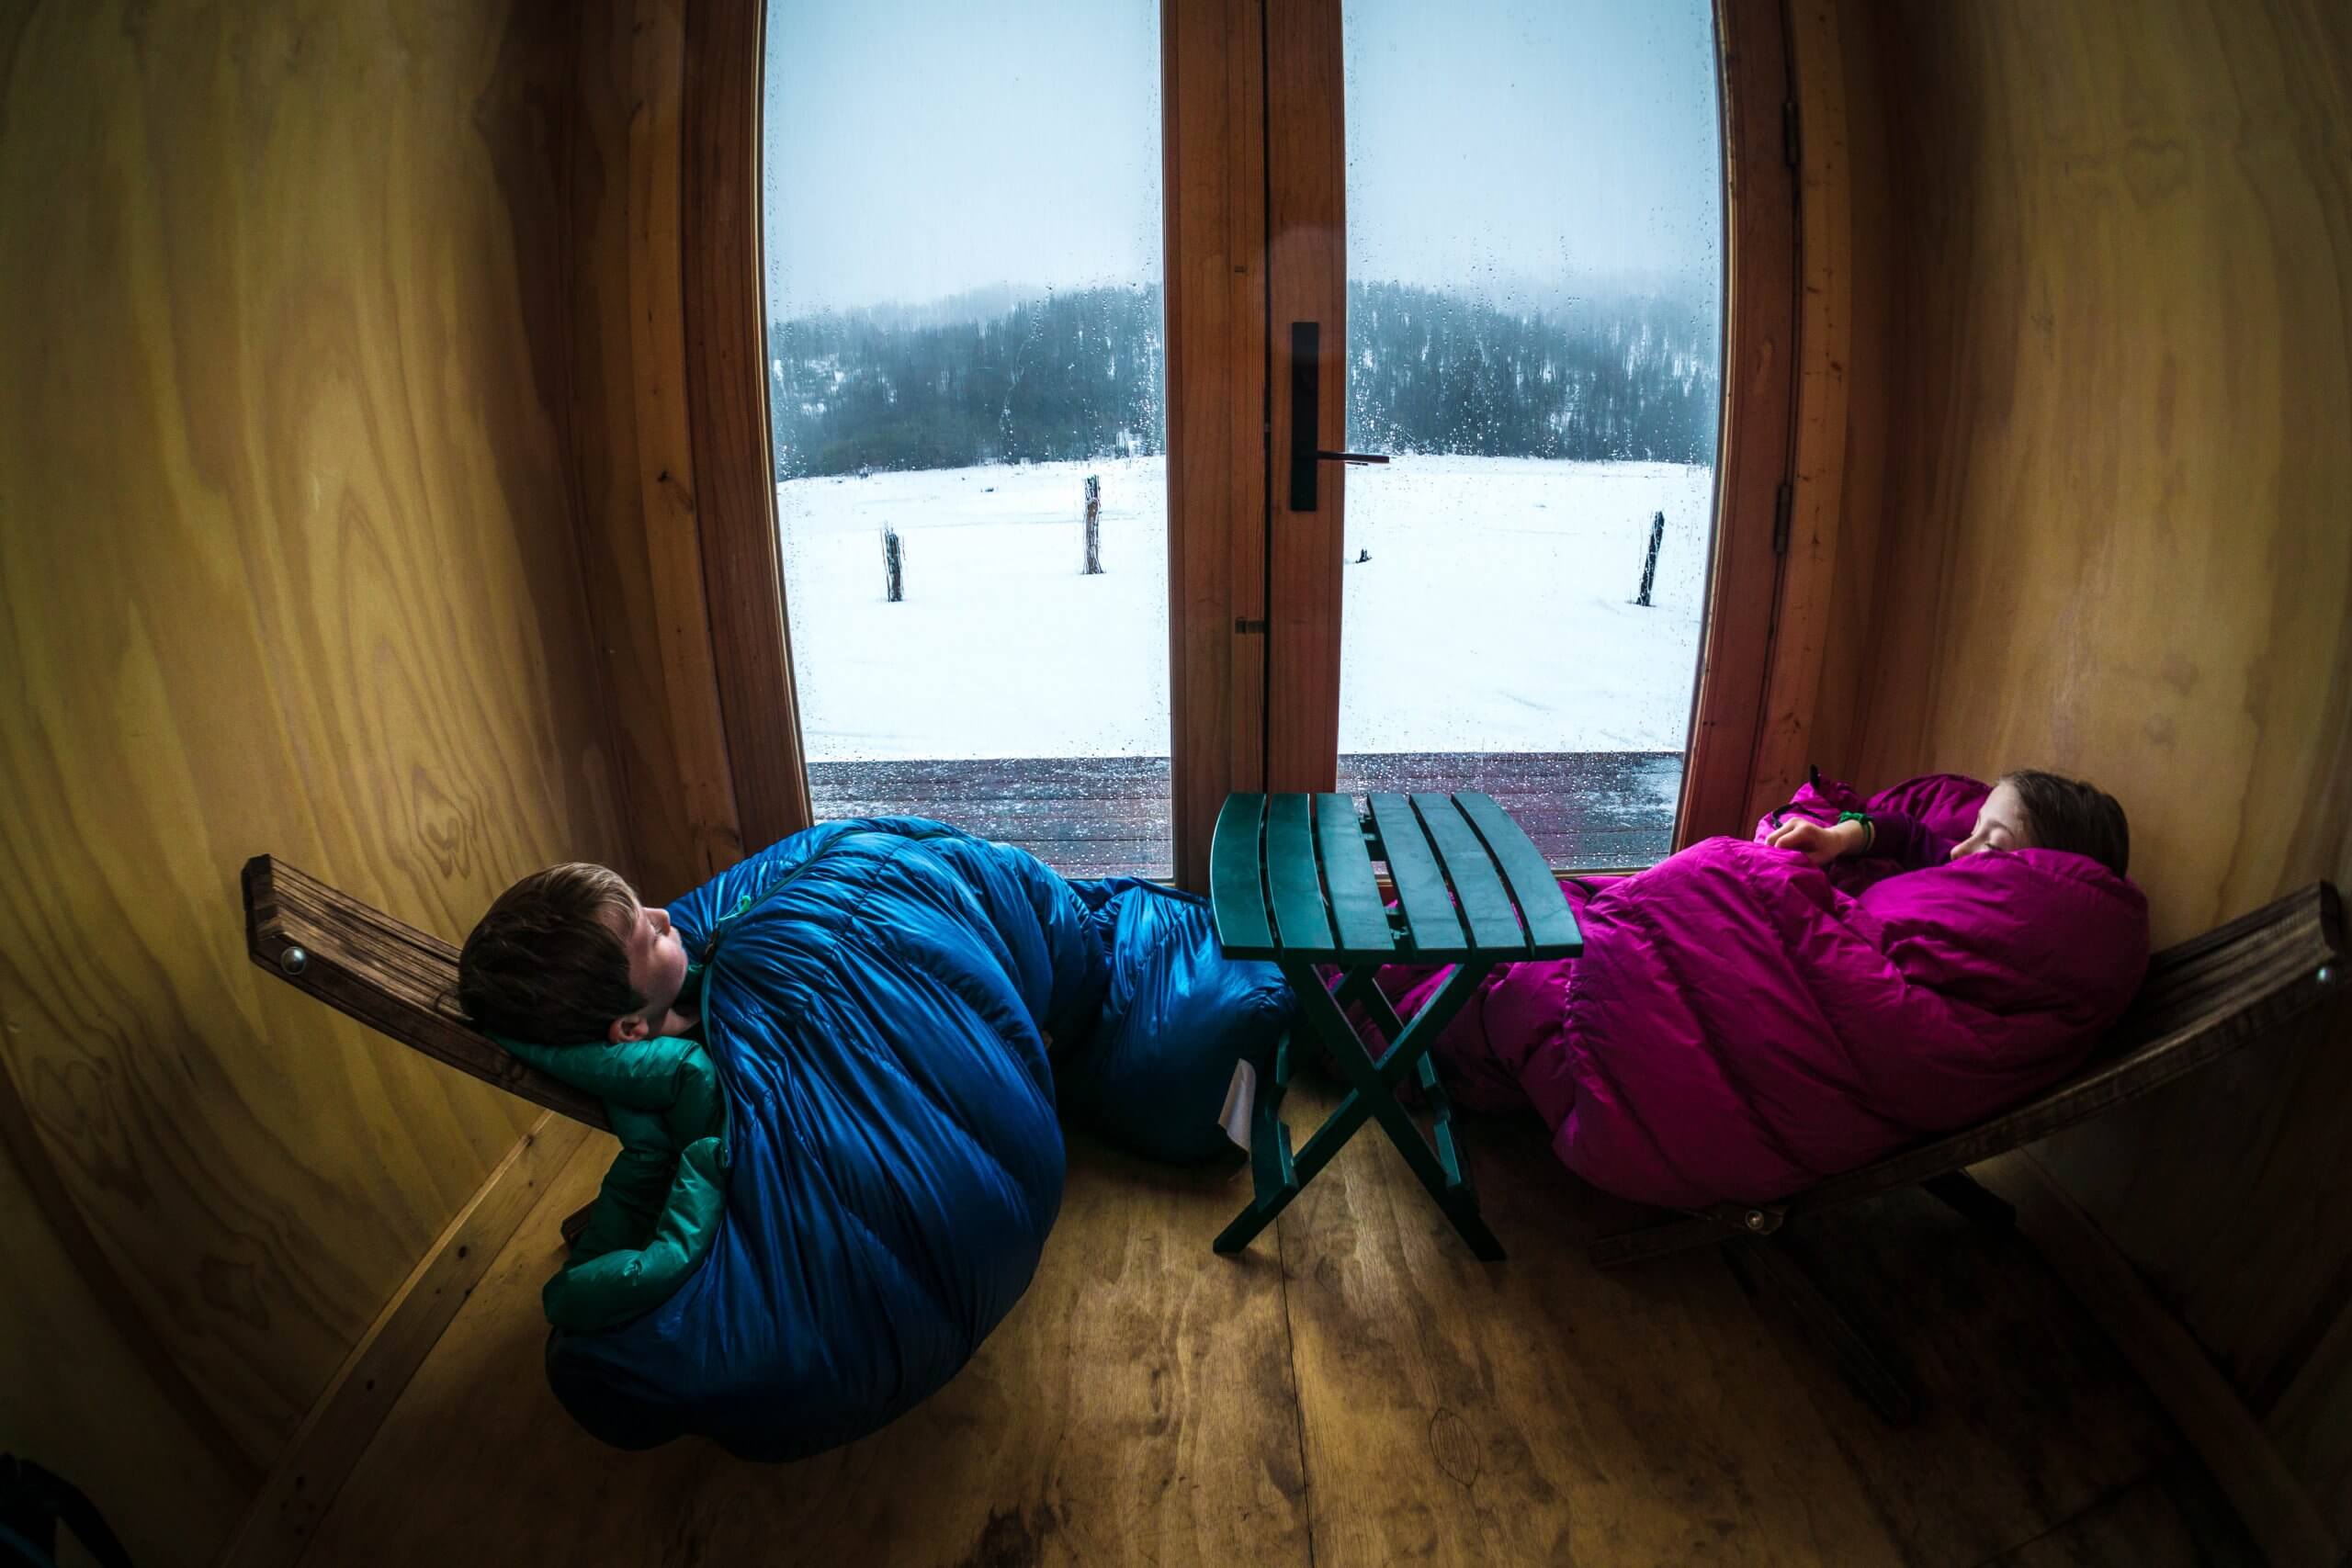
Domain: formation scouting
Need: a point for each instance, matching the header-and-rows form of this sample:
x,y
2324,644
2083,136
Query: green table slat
x,y
1551,925
1421,887
1356,908
1494,924
1237,893
1291,882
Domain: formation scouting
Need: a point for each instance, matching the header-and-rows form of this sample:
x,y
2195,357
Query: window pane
x,y
1534,304
963,235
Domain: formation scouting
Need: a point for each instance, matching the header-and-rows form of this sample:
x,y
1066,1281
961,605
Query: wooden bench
x,y
393,977
2202,999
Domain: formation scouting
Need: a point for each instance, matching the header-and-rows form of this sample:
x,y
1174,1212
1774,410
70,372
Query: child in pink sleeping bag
x,y
1750,1017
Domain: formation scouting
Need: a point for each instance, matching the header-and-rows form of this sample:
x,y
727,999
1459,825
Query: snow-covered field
x,y
1496,612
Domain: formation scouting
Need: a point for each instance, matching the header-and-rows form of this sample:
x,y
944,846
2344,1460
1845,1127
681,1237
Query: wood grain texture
x,y
1834,725
1306,217
1214,219
1759,376
1539,1411
397,980
1134,1407
169,1486
2109,539
287,563
1140,1406
2027,1414
47,1202
2267,1497
2310,1424
2114,538
2174,1517
632,449
1824,343
727,411
279,1525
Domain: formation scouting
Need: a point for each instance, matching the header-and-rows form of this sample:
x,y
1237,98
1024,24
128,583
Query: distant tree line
x,y
1619,379
1082,375
1066,376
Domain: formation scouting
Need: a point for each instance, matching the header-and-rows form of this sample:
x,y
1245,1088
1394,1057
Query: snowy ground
x,y
1496,613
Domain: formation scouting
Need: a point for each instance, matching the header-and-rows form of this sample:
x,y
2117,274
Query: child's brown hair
x,y
2070,814
547,965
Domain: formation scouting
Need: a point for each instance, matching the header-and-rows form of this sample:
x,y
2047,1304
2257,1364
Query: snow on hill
x,y
1496,612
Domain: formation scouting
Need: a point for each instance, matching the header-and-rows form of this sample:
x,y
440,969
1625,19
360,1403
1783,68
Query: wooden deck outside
x,y
1109,816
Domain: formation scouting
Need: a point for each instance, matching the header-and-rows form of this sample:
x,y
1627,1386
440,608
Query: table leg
x,y
1276,1174
1372,1099
1363,988
1337,1129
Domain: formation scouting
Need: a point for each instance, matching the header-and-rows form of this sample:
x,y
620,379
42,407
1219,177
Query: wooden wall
x,y
2098,518
632,449
287,563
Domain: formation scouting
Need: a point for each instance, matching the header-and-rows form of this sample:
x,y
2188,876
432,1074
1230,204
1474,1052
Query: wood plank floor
x,y
1109,816
1354,1390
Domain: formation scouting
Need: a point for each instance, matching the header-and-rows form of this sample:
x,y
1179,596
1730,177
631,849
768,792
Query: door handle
x,y
1306,409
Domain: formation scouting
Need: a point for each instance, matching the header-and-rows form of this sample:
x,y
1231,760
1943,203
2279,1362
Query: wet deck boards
x,y
1105,815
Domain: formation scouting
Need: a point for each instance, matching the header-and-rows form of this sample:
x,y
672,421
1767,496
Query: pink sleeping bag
x,y
1742,1024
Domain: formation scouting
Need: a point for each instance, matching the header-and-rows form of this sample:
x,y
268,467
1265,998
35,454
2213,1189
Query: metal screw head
x,y
1756,1219
293,961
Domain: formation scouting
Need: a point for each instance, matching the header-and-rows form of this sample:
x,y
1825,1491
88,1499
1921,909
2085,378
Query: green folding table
x,y
1291,879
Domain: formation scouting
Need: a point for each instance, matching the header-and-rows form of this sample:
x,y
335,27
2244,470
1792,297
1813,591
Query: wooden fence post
x,y
1093,525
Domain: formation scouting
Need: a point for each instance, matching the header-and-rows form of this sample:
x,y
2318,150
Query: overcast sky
x,y
917,149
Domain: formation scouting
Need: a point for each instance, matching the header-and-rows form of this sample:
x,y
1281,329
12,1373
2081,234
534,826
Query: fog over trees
x,y
992,378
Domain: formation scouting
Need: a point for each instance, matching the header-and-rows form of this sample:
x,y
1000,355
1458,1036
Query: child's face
x,y
657,967
2001,824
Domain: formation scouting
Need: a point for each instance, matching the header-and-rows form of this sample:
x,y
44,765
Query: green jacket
x,y
660,1207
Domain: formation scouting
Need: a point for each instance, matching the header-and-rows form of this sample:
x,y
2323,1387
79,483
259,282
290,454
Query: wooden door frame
x,y
1216,207
1306,217
1760,383
1760,376
1212,205
1303,231
726,413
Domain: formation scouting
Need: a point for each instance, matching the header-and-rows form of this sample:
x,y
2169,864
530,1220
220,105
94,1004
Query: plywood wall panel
x,y
1838,718
2114,526
147,1470
2113,536
287,563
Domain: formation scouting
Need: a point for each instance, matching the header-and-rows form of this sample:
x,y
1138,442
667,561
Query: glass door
x,y
963,227
1501,224
1482,243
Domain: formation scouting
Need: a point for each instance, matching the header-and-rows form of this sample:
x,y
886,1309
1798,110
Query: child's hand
x,y
1816,843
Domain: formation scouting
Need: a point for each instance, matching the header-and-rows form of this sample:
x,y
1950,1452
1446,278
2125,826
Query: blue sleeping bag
x,y
875,995
1177,1017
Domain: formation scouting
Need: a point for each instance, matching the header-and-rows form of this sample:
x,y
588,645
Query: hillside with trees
x,y
1080,374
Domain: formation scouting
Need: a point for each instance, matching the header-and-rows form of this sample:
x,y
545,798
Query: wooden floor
x,y
1109,816
1355,1390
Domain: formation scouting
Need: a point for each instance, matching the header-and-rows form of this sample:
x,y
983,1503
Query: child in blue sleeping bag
x,y
835,1070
